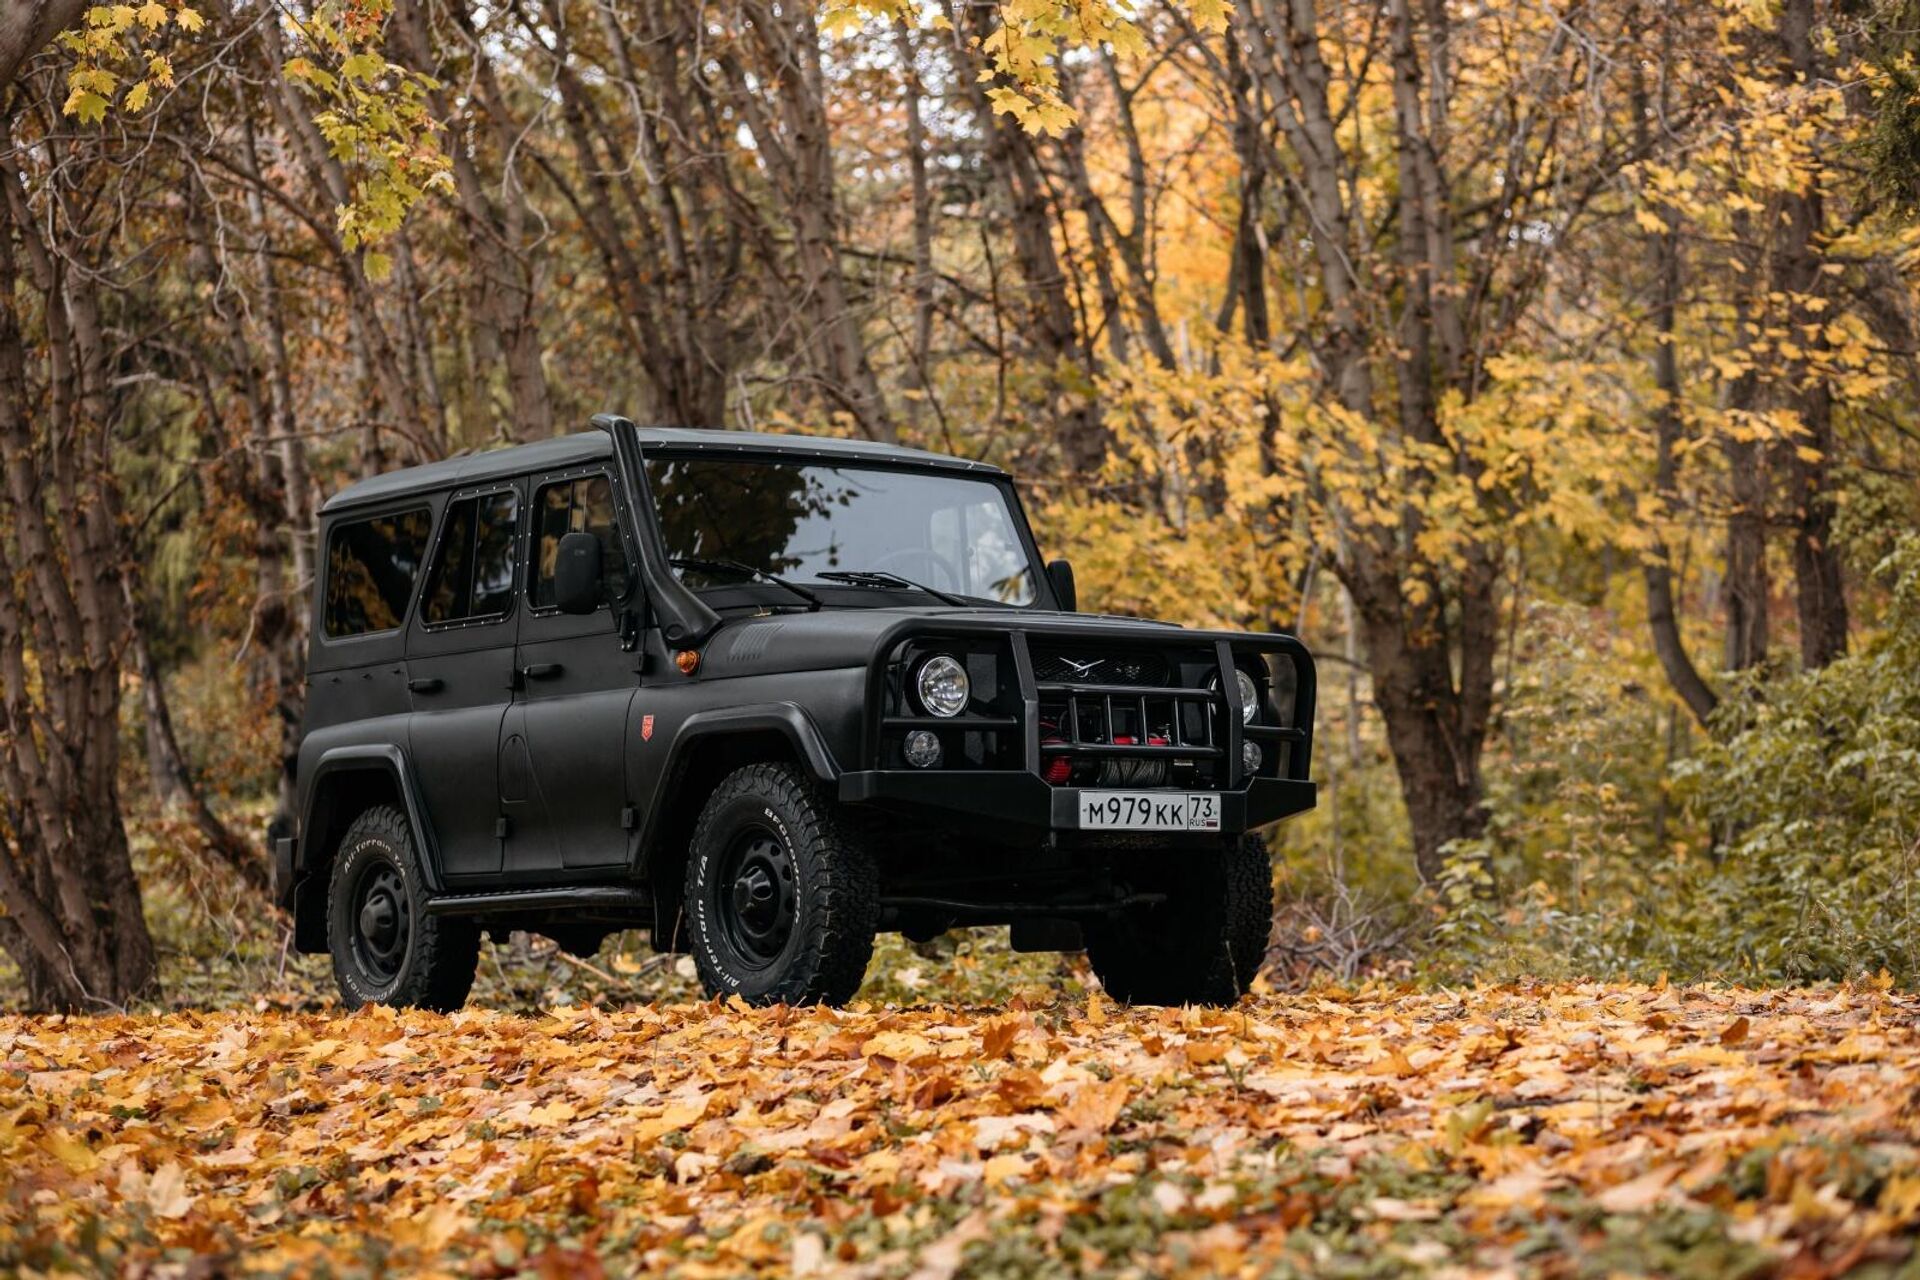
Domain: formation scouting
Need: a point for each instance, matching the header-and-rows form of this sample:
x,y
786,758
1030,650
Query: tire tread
x,y
1210,954
445,952
841,929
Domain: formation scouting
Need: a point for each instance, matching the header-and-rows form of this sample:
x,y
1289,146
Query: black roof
x,y
590,446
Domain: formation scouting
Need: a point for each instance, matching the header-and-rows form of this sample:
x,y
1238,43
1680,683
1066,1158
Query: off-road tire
x,y
1204,944
436,968
834,885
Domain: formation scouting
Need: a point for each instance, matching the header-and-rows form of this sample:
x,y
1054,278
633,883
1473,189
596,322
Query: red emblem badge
x,y
646,728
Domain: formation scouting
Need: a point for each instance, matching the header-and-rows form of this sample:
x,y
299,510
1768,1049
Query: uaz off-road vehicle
x,y
765,695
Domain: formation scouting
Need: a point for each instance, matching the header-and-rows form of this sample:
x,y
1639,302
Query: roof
x,y
591,446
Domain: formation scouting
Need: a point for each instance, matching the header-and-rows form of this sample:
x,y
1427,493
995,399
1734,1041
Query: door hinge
x,y
501,827
629,818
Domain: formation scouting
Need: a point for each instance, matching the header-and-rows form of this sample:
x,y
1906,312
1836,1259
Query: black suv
x,y
765,696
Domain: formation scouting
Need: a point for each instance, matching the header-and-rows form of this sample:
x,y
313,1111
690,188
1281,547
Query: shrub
x,y
1815,783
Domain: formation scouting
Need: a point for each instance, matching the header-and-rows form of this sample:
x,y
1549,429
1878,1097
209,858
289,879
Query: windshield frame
x,y
838,594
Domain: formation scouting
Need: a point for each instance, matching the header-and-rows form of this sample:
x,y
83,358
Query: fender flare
x,y
788,719
383,757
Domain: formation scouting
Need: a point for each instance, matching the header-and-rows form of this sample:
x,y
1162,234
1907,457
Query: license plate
x,y
1149,810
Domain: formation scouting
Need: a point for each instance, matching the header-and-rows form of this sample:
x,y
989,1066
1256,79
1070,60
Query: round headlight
x,y
1249,695
942,685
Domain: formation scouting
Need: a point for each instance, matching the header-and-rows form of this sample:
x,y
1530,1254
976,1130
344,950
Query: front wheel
x,y
386,949
1203,942
782,899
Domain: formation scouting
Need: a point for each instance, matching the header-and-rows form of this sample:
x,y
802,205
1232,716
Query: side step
x,y
613,898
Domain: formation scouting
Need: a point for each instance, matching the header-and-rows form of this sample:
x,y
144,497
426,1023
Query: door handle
x,y
541,671
427,684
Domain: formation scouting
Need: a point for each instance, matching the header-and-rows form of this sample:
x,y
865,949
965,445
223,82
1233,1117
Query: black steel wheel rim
x,y
758,899
382,921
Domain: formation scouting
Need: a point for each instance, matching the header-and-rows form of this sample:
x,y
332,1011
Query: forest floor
x,y
1560,1130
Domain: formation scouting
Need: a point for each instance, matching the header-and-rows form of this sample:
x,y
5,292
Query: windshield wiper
x,y
814,602
882,578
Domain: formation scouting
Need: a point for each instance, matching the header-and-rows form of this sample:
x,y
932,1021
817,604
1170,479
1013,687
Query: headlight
x,y
942,685
1249,694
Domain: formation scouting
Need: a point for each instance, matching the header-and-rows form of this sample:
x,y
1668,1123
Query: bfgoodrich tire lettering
x,y
782,898
1204,943
386,949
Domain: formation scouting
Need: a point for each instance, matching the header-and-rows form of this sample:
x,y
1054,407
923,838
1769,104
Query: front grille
x,y
1126,718
1083,666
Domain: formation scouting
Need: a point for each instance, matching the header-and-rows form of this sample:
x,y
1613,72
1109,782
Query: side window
x,y
371,567
472,575
582,505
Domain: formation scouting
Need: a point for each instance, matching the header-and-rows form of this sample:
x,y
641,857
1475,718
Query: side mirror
x,y
577,582
1060,575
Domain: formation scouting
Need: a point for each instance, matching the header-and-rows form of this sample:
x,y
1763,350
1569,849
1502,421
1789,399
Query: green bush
x,y
1784,848
1814,782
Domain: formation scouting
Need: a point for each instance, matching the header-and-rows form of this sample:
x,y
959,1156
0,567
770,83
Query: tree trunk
x,y
779,88
922,193
1046,324
173,781
1662,615
496,220
27,26
1431,729
73,921
1748,584
1819,589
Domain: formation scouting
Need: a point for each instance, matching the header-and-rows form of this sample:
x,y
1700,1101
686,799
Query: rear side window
x,y
472,575
582,505
371,567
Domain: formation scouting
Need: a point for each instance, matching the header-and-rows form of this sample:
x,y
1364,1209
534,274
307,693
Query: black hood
x,y
831,638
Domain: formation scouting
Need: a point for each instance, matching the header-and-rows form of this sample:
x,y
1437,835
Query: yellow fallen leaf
x,y
1095,1105
900,1046
71,1152
167,1192
1639,1194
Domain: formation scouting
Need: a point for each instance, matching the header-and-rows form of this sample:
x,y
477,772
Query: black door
x,y
460,674
562,757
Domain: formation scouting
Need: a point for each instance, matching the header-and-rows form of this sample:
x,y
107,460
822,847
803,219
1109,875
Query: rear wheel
x,y
782,899
386,949
1203,943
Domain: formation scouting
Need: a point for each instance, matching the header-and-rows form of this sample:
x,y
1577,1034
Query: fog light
x,y
1250,757
923,749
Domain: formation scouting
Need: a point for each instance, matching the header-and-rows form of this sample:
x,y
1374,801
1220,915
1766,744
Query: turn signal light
x,y
688,660
1058,768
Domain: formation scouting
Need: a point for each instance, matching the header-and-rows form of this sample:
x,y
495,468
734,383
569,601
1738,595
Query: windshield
x,y
801,520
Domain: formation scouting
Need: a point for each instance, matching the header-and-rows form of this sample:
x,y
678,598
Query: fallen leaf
x,y
1095,1106
167,1192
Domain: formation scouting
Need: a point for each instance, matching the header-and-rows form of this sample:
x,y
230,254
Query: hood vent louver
x,y
750,644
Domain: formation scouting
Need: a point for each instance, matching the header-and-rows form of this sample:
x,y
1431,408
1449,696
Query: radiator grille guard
x,y
1106,708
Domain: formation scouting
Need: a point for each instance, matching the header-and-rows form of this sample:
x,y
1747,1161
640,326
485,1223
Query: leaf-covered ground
x,y
1578,1130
